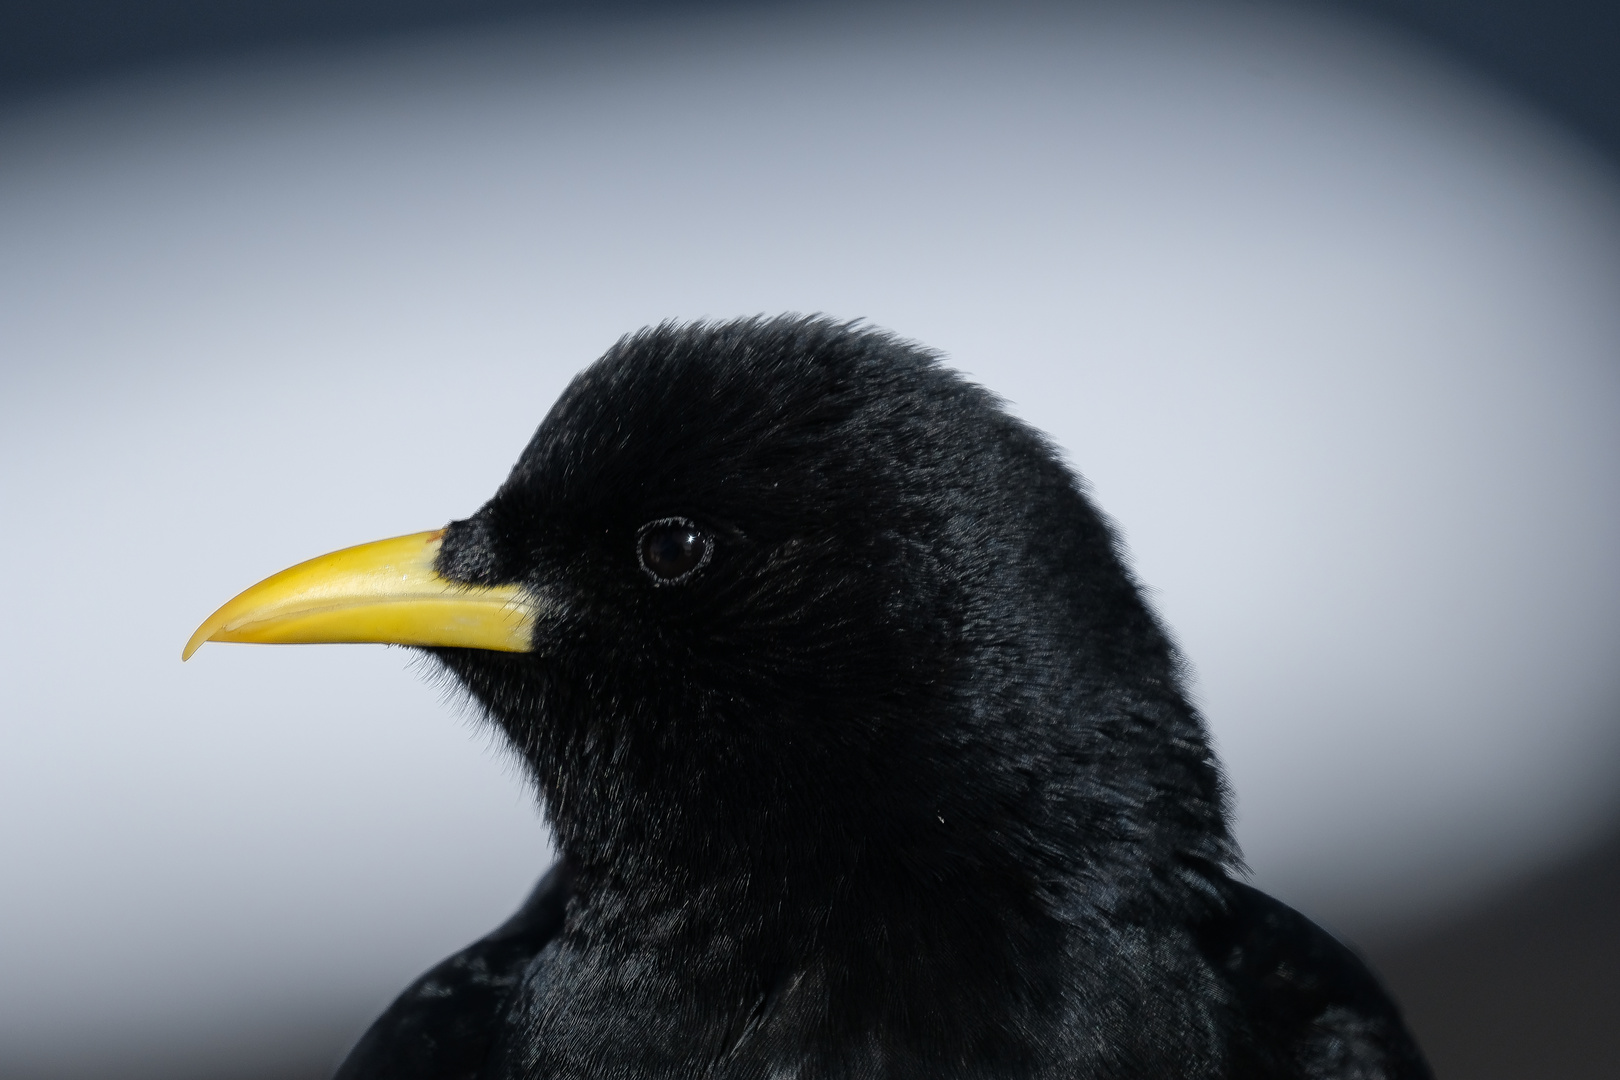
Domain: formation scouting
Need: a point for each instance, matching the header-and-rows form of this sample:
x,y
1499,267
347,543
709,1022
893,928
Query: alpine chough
x,y
863,754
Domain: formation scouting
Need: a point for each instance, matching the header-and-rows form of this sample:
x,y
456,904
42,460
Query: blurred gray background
x,y
1323,300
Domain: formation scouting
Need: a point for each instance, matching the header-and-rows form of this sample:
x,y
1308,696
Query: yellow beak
x,y
386,592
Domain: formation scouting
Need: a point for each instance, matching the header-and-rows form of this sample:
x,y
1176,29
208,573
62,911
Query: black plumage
x,y
864,756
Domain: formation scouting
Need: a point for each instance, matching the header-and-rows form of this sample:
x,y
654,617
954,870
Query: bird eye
x,y
673,549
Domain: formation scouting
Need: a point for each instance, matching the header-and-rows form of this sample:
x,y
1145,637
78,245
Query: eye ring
x,y
672,549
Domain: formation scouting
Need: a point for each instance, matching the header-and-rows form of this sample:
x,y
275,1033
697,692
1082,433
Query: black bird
x,y
864,755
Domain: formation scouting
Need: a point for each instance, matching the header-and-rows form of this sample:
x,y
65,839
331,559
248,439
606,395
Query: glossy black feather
x,y
1307,1005
443,1025
900,781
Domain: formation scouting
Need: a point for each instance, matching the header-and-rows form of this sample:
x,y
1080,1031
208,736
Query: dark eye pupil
x,y
673,550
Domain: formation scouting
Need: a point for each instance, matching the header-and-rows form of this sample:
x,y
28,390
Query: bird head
x,y
788,611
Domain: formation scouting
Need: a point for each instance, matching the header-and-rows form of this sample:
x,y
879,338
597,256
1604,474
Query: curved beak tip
x,y
204,633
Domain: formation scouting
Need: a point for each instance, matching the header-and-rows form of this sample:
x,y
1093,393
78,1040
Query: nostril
x,y
468,554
